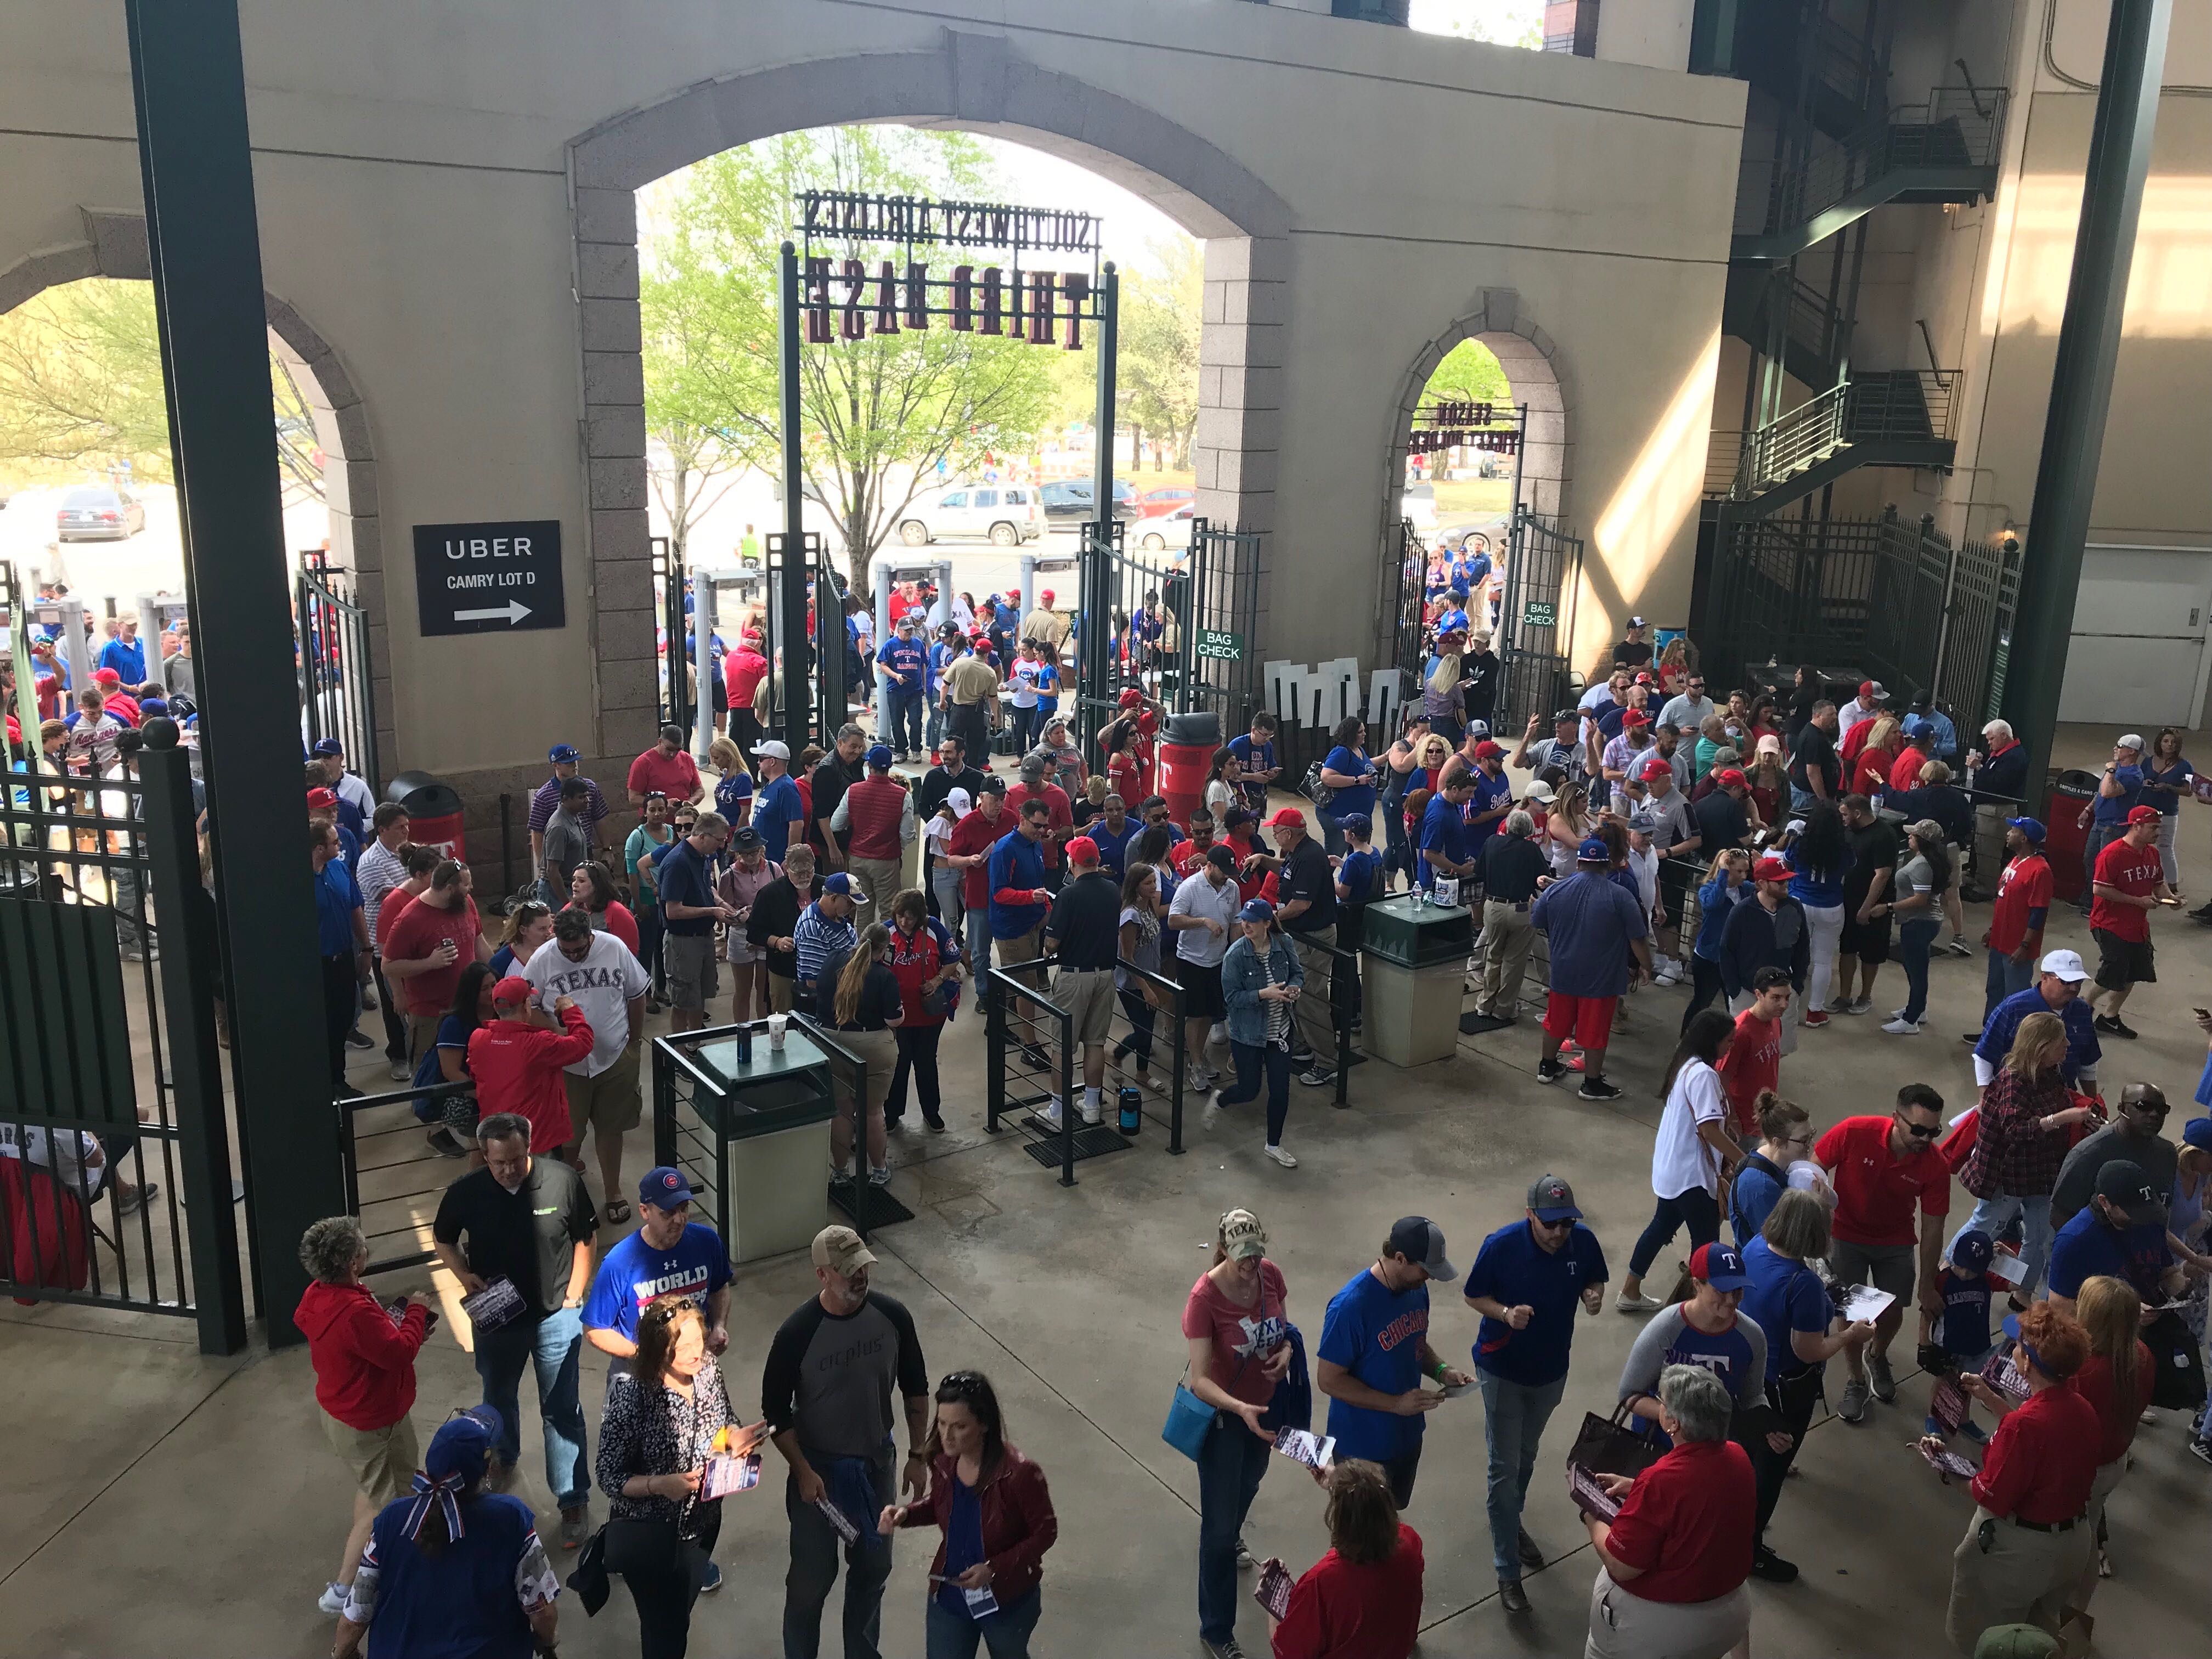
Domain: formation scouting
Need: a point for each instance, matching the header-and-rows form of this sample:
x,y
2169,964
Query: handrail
x,y
1904,137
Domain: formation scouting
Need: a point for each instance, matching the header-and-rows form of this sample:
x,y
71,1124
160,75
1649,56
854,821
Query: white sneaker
x,y
1903,1027
879,1176
1090,1114
1213,1110
333,1600
1219,1033
1282,1158
1051,1114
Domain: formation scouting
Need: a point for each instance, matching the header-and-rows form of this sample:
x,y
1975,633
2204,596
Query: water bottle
x,y
745,1045
1133,1113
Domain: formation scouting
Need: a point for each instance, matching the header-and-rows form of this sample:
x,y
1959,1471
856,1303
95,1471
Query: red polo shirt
x,y
1875,1191
1062,817
973,834
1688,1524
2042,1459
2135,871
2025,886
674,775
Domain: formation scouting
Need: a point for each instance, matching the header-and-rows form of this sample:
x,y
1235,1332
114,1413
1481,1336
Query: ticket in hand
x,y
1314,1451
1590,1494
725,1474
1273,1592
495,1305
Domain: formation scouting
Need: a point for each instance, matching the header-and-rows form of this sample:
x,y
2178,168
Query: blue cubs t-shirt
x,y
1376,1336
775,810
635,1273
1786,1296
1513,1268
2086,1247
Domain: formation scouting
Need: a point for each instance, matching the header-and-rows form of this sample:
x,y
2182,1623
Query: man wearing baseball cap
x,y
1600,942
2058,990
1374,1352
1084,932
1634,649
2017,916
2119,1234
904,664
1526,1281
2119,791
1861,708
516,1063
778,809
876,823
826,1390
668,1255
1307,883
1767,930
2130,884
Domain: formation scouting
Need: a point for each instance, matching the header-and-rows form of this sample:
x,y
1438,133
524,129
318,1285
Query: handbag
x,y
1313,788
645,1546
1190,1419
1606,1446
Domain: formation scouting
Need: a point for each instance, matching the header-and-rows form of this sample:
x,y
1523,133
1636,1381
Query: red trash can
x,y
434,812
2064,837
1185,755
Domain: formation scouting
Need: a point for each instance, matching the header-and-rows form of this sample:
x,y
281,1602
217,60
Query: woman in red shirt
x,y
593,890
2028,1543
2115,1379
516,1063
1362,1600
924,955
1672,1561
1870,770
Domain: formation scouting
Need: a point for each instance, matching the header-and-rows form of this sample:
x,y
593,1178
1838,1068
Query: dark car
x,y
93,514
1068,502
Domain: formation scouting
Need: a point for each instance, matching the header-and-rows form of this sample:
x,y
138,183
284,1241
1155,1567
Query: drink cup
x,y
775,1025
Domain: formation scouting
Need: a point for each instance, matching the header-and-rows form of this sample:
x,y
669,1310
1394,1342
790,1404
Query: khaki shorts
x,y
1024,947
1087,997
381,1461
421,1035
781,988
689,960
609,1101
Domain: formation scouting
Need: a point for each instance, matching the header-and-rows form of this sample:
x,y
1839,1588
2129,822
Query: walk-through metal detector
x,y
157,613
726,593
67,617
1057,568
888,573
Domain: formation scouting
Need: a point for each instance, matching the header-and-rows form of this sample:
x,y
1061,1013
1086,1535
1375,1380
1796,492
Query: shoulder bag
x,y
1609,1446
1313,788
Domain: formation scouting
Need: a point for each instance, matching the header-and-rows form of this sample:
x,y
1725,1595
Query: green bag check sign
x,y
1218,647
1540,613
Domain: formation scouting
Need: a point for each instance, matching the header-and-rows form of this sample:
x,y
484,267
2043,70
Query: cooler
x,y
2064,837
1186,750
433,809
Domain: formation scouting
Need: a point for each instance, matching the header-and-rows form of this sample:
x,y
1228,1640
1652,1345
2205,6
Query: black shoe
x,y
1530,1555
443,1143
1512,1596
2112,1027
1766,1564
1549,1071
1036,1056
1317,1076
1970,1038
936,1125
359,1039
1596,1088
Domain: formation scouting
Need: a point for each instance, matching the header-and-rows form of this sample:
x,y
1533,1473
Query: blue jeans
x,y
1800,799
1230,1465
1004,1635
813,1573
1252,1060
1913,939
933,722
1513,1419
1992,1215
905,722
551,1346
2006,977
979,939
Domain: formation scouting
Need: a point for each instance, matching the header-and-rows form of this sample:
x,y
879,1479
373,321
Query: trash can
x,y
2064,837
763,1127
1187,751
1413,963
433,809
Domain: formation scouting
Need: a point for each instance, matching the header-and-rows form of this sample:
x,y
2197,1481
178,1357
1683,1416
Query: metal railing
x,y
1888,405
1142,1040
1007,1000
1956,128
1792,442
336,675
398,1200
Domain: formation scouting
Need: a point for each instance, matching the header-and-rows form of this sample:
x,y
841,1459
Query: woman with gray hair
x,y
364,1362
1673,1560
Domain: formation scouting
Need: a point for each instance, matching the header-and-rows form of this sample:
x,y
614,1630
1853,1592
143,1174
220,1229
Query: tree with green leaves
x,y
1470,373
882,415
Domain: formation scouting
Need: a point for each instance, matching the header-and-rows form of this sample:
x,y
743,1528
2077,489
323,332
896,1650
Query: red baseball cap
x,y
2143,815
1287,816
1731,779
513,991
1655,768
1636,717
1487,751
1045,597
1645,678
1130,697
322,800
1770,868
1083,850
107,676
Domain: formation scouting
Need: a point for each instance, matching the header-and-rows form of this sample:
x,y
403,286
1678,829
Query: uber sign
x,y
489,577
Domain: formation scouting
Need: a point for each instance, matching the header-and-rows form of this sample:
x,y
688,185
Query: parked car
x,y
1006,515
1158,503
1417,506
95,514
1170,529
1068,501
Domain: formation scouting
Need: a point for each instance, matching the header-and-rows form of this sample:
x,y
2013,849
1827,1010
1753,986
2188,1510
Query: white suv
x,y
1005,514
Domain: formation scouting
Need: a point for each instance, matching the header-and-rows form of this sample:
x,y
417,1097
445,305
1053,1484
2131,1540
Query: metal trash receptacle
x,y
1412,960
769,1128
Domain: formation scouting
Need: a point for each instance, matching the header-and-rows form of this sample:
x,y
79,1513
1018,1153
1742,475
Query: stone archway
x,y
114,246
976,83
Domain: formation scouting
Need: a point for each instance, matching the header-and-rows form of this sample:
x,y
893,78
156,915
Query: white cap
x,y
2133,740
770,749
2067,965
959,802
1538,790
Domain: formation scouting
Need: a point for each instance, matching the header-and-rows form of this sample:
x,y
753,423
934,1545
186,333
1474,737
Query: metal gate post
x,y
796,695
1094,695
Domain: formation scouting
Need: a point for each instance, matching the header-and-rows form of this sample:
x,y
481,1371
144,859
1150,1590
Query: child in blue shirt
x,y
1958,1343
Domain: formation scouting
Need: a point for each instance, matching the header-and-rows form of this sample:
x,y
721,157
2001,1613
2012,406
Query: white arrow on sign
x,y
514,611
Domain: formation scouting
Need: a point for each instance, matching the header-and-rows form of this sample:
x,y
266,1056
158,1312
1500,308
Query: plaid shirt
x,y
2012,1153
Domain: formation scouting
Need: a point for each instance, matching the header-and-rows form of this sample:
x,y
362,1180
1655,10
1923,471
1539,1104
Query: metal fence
x,y
337,681
1204,656
1537,623
393,1177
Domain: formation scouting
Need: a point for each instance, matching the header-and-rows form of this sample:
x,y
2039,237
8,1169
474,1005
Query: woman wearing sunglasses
x,y
995,1511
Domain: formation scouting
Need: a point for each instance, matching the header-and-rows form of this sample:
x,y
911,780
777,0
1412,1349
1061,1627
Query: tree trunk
x,y
679,531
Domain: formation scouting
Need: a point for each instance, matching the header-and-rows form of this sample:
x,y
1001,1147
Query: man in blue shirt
x,y
126,654
341,939
2057,990
1112,831
905,667
670,1253
1020,900
1255,753
1375,1350
777,807
1491,801
1599,938
2120,1234
1444,832
1944,743
1525,1283
2119,791
689,910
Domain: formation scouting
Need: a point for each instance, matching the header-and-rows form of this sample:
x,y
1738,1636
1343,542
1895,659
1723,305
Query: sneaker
x,y
443,1142
935,1125
1224,1648
712,1581
575,1526
2112,1027
1970,1038
358,1038
1036,1056
1853,1405
399,1072
1975,1432
1671,975
1530,1555
1245,1560
1903,1027
1200,1079
1884,1380
333,1600
1213,1110
1317,1075
1219,1033
1596,1088
1278,1155
1512,1596
1859,1006
895,1125
1549,1071
1959,947
1814,1021
1051,1113
1637,1304
1090,1114
879,1177
1766,1564
2200,1450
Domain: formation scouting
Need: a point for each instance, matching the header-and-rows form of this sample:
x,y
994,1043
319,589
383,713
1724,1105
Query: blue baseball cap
x,y
1916,727
881,757
2032,828
1552,1199
326,747
1594,851
1719,1266
1256,910
842,883
1973,1251
563,753
664,1188
2197,1132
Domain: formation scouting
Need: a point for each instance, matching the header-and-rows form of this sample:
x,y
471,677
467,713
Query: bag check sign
x,y
497,578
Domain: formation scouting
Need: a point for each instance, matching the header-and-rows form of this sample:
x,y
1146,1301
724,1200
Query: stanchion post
x,y
995,1050
1175,1097
1067,1097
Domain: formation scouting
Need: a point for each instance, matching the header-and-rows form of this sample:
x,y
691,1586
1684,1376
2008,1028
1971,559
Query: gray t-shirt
x,y
2077,1176
831,1375
567,845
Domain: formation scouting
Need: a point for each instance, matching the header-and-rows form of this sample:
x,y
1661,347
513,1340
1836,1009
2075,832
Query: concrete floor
x,y
203,1491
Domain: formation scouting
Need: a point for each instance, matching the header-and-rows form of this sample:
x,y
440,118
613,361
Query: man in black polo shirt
x,y
529,1222
1084,932
836,771
1721,815
1512,863
1863,946
1306,911
951,772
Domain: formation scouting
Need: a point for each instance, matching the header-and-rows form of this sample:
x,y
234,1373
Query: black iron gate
x,y
1977,616
1182,624
677,706
1409,627
1536,620
826,710
337,682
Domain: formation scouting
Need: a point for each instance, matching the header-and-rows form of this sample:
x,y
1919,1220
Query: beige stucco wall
x,y
415,168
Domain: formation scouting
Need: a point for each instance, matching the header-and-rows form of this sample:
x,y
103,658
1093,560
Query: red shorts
x,y
1588,1020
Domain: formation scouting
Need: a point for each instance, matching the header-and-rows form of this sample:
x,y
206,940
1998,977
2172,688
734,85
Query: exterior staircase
x,y
1881,417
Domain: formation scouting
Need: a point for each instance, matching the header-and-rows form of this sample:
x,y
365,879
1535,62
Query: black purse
x,y
1606,1446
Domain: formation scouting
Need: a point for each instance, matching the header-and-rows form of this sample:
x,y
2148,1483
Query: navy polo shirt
x,y
1513,1268
2113,810
685,879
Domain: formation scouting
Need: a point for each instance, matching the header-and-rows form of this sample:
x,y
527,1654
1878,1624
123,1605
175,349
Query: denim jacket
x,y
1242,982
